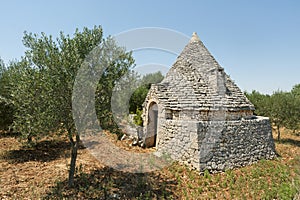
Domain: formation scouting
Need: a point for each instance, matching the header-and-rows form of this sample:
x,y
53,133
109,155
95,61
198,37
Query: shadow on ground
x,y
106,183
43,151
7,134
289,141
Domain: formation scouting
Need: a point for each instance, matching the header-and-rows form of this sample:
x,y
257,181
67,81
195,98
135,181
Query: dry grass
x,y
41,172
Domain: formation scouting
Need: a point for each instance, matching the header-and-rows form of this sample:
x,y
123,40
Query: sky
x,y
257,41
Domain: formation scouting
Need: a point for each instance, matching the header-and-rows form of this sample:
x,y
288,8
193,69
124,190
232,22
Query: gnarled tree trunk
x,y
74,148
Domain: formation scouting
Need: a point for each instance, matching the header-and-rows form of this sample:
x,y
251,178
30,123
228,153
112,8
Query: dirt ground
x,y
41,172
32,172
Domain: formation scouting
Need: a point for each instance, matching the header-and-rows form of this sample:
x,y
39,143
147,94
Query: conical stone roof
x,y
197,82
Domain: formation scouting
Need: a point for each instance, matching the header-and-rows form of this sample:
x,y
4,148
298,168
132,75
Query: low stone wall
x,y
217,145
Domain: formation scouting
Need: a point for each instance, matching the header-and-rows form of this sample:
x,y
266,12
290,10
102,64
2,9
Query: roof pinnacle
x,y
195,37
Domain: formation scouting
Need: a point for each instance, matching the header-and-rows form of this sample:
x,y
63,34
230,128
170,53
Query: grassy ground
x,y
40,172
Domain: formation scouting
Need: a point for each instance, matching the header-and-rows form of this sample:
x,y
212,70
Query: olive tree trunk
x,y
74,148
278,132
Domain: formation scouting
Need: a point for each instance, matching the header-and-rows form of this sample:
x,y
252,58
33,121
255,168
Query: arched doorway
x,y
150,140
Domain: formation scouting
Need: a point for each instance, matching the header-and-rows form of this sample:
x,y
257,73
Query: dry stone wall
x,y
217,145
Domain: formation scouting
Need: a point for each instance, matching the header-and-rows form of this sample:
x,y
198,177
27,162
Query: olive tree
x,y
293,119
43,95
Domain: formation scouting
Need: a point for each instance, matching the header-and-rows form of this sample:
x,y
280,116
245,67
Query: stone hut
x,y
199,116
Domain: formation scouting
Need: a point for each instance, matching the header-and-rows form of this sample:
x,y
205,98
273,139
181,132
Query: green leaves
x,y
115,64
6,107
282,107
139,95
47,79
41,83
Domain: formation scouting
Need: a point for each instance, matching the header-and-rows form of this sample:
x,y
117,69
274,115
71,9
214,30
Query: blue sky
x,y
257,42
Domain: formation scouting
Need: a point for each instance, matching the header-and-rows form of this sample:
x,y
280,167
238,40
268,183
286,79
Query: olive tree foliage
x,y
118,66
28,95
139,95
121,95
42,93
261,102
293,121
129,94
296,91
6,108
281,107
